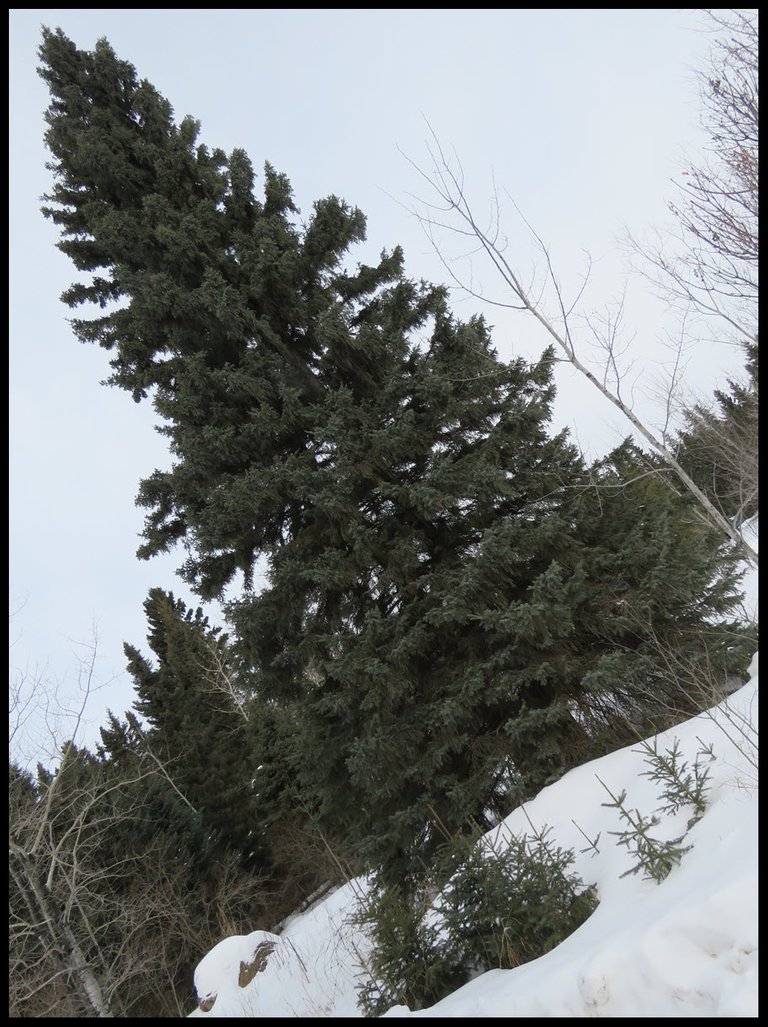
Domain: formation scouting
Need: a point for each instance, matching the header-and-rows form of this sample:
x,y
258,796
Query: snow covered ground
x,y
684,947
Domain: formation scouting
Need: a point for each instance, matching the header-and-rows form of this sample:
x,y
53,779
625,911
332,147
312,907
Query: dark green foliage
x,y
654,637
511,900
719,445
407,623
408,964
197,721
535,637
226,751
504,903
457,608
236,321
189,888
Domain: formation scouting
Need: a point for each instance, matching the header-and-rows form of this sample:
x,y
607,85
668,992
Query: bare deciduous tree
x,y
706,261
713,269
46,866
455,213
104,916
708,258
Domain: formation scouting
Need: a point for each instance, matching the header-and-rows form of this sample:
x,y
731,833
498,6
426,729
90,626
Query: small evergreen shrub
x,y
682,786
654,856
408,964
512,901
504,904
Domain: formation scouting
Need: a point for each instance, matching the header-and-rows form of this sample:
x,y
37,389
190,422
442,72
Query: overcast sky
x,y
582,117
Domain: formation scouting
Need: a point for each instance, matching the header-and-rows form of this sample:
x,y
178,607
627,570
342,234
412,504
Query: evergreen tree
x,y
190,890
442,495
224,752
480,610
228,311
719,445
117,885
656,636
450,615
195,727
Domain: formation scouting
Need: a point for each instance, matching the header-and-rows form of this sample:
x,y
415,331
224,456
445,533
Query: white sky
x,y
584,116
685,947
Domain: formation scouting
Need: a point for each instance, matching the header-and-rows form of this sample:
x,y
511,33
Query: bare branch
x,y
447,181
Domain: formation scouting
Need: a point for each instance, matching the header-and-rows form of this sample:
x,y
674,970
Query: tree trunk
x,y
63,942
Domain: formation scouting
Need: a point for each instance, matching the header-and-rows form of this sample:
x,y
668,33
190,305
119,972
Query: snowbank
x,y
684,947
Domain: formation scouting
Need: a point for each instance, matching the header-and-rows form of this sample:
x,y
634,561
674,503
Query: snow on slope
x,y
685,947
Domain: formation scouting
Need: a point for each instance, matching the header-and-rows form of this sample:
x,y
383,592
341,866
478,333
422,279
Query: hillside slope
x,y
684,947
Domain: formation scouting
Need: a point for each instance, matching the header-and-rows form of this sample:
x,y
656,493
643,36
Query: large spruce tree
x,y
229,314
456,605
